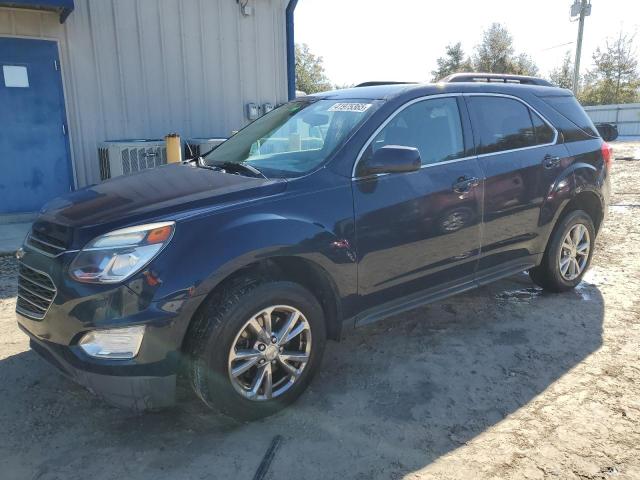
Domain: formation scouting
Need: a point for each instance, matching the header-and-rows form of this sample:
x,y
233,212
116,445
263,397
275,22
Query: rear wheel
x,y
255,349
568,254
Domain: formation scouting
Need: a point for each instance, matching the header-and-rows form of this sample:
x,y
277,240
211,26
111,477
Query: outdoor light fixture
x,y
117,343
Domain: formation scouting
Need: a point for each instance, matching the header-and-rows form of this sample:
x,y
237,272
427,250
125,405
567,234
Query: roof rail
x,y
496,77
376,83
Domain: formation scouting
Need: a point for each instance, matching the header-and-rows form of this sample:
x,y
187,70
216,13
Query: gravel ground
x,y
502,382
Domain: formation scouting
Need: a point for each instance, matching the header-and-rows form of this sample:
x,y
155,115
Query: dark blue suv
x,y
332,211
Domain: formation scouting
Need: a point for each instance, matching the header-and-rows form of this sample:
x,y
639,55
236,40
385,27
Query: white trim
x,y
454,95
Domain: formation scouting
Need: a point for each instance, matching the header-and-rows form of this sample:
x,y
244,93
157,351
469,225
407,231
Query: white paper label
x,y
15,76
350,107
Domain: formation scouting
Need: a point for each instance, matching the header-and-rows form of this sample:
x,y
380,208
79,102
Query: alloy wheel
x,y
269,353
574,253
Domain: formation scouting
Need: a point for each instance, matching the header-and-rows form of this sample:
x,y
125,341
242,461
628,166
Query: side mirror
x,y
392,159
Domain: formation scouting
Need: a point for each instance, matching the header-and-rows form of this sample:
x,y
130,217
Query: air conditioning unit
x,y
124,157
194,147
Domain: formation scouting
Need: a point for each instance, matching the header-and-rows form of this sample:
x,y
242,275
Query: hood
x,y
166,190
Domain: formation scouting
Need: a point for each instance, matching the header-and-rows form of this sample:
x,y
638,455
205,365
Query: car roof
x,y
388,92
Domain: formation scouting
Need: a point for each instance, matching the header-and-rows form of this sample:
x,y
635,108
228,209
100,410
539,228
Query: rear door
x,y
419,230
34,151
520,160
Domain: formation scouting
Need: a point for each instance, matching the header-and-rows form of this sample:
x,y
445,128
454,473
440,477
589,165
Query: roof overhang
x,y
62,7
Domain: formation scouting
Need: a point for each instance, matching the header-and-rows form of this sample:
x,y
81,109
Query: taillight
x,y
607,154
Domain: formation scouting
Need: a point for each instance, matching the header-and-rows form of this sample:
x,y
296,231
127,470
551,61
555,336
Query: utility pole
x,y
581,8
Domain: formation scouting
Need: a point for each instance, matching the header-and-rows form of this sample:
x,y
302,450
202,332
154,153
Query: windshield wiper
x,y
237,167
229,166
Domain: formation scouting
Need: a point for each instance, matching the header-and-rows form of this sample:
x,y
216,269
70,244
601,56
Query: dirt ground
x,y
502,382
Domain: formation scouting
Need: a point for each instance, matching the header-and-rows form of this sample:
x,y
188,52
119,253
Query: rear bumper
x,y
139,393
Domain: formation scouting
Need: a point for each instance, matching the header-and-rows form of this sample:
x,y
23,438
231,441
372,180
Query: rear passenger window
x,y
506,124
431,126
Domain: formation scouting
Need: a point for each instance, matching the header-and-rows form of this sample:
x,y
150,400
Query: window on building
x,y
15,76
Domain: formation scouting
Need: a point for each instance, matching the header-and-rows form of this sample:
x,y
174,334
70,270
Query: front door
x,y
419,231
34,150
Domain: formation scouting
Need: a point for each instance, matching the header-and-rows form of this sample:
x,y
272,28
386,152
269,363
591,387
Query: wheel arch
x,y
303,271
590,202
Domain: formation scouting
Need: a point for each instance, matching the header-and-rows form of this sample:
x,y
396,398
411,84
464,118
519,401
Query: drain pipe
x,y
291,50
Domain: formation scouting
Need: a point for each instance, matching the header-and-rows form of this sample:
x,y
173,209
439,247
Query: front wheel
x,y
255,348
568,254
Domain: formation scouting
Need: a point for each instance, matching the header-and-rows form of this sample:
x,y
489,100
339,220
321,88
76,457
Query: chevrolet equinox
x,y
332,211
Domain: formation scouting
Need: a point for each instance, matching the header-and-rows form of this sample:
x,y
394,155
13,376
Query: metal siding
x,y
144,68
625,116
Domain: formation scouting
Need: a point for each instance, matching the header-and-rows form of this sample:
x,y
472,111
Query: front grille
x,y
45,243
49,238
36,292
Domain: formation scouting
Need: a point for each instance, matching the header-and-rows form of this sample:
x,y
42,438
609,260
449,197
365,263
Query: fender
x,y
207,249
578,178
267,236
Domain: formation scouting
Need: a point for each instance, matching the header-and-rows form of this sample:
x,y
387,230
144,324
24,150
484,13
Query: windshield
x,y
293,139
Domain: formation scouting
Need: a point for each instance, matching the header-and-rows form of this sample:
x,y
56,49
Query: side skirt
x,y
434,294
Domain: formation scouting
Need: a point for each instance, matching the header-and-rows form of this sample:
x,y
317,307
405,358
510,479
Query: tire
x,y
550,274
222,324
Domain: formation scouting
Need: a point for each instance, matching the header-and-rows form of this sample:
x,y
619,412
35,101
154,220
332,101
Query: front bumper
x,y
139,393
146,382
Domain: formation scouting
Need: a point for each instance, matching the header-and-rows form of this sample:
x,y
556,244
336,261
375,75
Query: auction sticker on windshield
x,y
350,107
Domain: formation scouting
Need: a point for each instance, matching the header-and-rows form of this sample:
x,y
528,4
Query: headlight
x,y
116,343
116,256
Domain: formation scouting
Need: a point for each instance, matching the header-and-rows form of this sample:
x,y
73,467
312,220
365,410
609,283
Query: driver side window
x,y
431,126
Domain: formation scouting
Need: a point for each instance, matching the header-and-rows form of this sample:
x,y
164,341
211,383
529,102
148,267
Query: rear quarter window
x,y
568,107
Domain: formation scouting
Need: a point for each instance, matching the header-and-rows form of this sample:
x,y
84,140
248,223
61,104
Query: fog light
x,y
116,343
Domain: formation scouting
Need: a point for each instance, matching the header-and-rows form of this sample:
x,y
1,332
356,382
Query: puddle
x,y
523,295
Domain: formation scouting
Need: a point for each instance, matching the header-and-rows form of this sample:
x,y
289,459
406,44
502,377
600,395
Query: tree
x,y
562,75
453,61
524,65
495,54
310,74
614,77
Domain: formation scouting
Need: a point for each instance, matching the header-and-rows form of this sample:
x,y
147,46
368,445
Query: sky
x,y
365,40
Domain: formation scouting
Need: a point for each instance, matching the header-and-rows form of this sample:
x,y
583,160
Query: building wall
x,y
145,68
625,116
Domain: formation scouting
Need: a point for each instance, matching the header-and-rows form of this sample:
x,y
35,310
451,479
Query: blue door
x,y
35,163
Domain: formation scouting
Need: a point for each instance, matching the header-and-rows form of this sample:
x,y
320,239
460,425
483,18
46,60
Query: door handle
x,y
550,161
464,184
